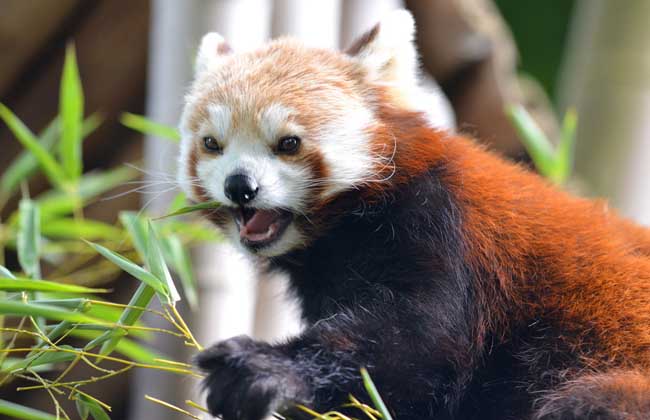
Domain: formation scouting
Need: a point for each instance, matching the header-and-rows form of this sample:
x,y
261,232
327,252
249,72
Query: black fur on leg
x,y
248,380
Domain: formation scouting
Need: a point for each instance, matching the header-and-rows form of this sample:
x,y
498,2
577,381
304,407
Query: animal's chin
x,y
260,228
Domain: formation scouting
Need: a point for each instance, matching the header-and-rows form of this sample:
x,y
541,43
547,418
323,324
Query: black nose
x,y
240,188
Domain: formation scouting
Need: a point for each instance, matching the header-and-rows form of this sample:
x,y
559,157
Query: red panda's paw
x,y
249,380
620,395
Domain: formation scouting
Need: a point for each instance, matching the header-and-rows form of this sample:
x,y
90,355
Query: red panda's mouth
x,y
261,227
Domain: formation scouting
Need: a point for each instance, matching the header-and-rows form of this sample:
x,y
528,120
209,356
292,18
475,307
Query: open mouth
x,y
261,227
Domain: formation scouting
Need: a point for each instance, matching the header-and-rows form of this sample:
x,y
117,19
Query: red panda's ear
x,y
387,50
213,47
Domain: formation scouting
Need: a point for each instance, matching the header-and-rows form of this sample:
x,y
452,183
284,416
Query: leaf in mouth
x,y
190,209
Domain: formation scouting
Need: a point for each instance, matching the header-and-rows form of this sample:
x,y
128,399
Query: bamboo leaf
x,y
39,359
9,307
25,164
28,238
534,140
125,347
148,127
158,267
374,395
82,409
179,201
18,411
137,228
140,299
189,209
96,411
193,232
71,108
566,147
81,229
91,185
131,268
4,272
179,259
54,172
91,124
23,284
40,368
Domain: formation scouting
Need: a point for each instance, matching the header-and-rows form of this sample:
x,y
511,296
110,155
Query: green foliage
x,y
18,411
57,318
71,109
374,395
150,128
555,163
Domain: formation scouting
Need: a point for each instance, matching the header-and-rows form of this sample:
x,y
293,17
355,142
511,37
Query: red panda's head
x,y
276,133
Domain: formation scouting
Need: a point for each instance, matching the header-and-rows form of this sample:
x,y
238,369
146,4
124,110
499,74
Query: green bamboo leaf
x,y
158,267
81,229
4,272
28,238
71,303
82,409
96,411
534,140
91,124
71,108
374,395
131,268
566,147
137,228
125,347
104,313
190,232
39,359
140,299
25,164
40,368
148,127
54,172
55,203
18,411
179,201
9,307
23,284
189,209
179,259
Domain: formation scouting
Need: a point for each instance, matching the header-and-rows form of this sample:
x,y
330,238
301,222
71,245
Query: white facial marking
x,y
274,121
345,145
220,121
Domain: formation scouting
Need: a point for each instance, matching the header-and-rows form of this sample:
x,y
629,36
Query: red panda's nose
x,y
240,188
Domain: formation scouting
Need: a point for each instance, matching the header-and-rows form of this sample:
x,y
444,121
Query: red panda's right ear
x,y
213,47
387,51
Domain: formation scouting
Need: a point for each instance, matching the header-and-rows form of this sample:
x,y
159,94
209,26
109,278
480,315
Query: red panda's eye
x,y
288,144
211,144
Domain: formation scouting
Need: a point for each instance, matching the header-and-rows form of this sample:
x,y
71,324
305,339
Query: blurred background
x,y
137,56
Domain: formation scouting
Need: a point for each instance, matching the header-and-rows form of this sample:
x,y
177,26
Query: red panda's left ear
x,y
387,50
213,47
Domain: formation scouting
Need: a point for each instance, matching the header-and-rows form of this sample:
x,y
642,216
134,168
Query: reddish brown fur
x,y
554,254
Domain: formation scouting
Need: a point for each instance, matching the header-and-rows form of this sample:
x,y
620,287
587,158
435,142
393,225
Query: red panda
x,y
468,286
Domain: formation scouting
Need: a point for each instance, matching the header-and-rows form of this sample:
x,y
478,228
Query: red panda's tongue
x,y
259,225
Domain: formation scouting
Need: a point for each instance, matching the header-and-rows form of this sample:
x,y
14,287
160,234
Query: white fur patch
x,y
391,57
208,54
345,145
220,121
273,121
